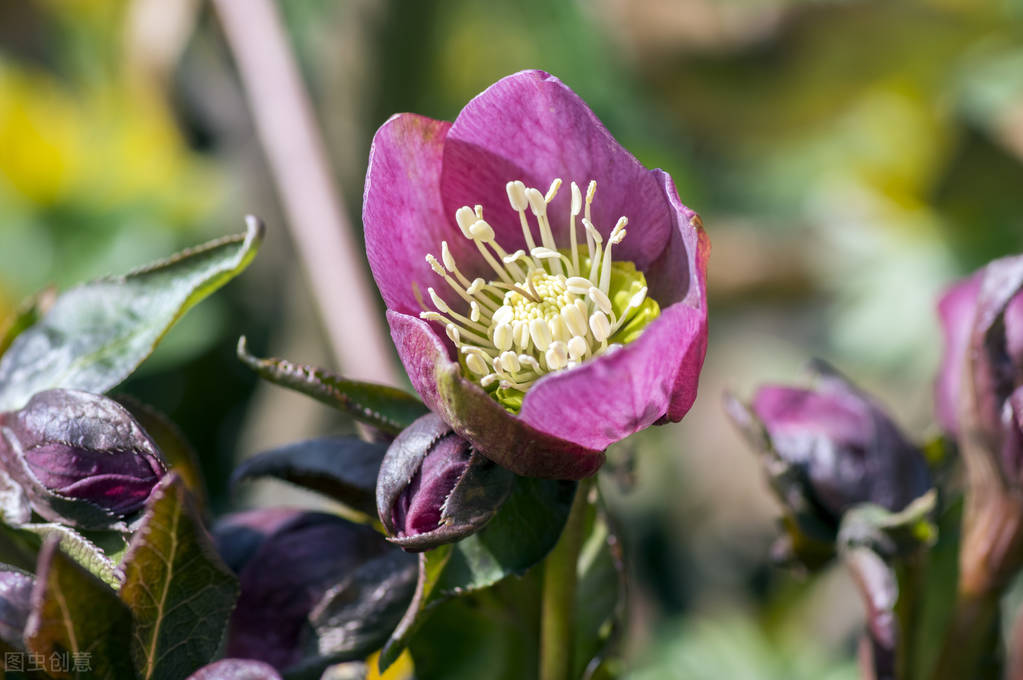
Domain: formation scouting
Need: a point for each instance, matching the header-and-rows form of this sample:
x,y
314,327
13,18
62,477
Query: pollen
x,y
545,309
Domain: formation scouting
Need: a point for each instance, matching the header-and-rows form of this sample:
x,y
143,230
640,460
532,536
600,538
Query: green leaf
x,y
598,599
521,534
491,633
96,334
343,468
177,587
74,613
78,548
386,408
25,316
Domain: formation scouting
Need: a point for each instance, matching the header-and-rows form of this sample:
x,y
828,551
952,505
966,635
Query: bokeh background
x,y
849,159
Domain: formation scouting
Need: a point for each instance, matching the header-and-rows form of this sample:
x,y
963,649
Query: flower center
x,y
546,309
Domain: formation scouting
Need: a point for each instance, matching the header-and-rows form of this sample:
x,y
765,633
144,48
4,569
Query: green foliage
x,y
96,334
176,586
73,612
388,409
521,534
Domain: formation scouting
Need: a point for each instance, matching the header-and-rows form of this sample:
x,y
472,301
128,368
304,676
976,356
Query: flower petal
x,y
619,393
514,443
402,210
956,311
531,127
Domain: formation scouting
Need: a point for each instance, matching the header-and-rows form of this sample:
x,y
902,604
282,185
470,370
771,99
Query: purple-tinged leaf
x,y
343,468
73,612
15,606
386,408
179,591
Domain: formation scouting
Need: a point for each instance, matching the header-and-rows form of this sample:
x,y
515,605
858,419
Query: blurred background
x,y
849,158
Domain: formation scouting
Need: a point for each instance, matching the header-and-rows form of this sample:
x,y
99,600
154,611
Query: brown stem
x,y
294,148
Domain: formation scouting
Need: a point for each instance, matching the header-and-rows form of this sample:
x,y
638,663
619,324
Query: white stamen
x,y
600,326
475,364
574,320
600,299
540,332
539,314
577,347
452,331
556,355
464,216
517,195
504,315
510,362
503,336
578,285
481,231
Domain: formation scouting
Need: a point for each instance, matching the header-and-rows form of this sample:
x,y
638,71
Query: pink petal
x,y
531,127
402,210
610,397
509,441
956,312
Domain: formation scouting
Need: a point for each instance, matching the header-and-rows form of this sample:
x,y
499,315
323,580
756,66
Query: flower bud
x,y
982,365
831,448
434,488
81,458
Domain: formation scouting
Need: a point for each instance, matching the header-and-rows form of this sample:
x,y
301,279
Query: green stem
x,y
971,643
557,623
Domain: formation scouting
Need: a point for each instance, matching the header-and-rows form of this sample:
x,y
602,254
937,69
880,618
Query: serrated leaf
x,y
80,549
74,613
344,468
96,334
178,589
385,408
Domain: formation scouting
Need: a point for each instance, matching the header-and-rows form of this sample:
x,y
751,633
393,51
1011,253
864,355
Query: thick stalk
x,y
560,572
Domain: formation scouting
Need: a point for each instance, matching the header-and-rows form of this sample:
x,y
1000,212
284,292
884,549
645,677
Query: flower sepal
x,y
80,458
434,488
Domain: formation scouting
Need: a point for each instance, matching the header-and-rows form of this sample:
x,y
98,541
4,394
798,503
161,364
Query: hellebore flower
x,y
434,489
551,332
312,584
980,386
81,458
831,448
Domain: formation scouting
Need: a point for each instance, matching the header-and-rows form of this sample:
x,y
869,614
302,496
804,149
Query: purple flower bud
x,y
434,488
832,447
82,458
982,367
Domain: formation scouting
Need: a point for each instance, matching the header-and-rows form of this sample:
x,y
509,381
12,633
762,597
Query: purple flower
x,y
81,458
567,307
832,447
980,386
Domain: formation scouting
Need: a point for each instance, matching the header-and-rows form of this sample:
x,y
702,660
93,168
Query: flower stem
x,y
560,571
